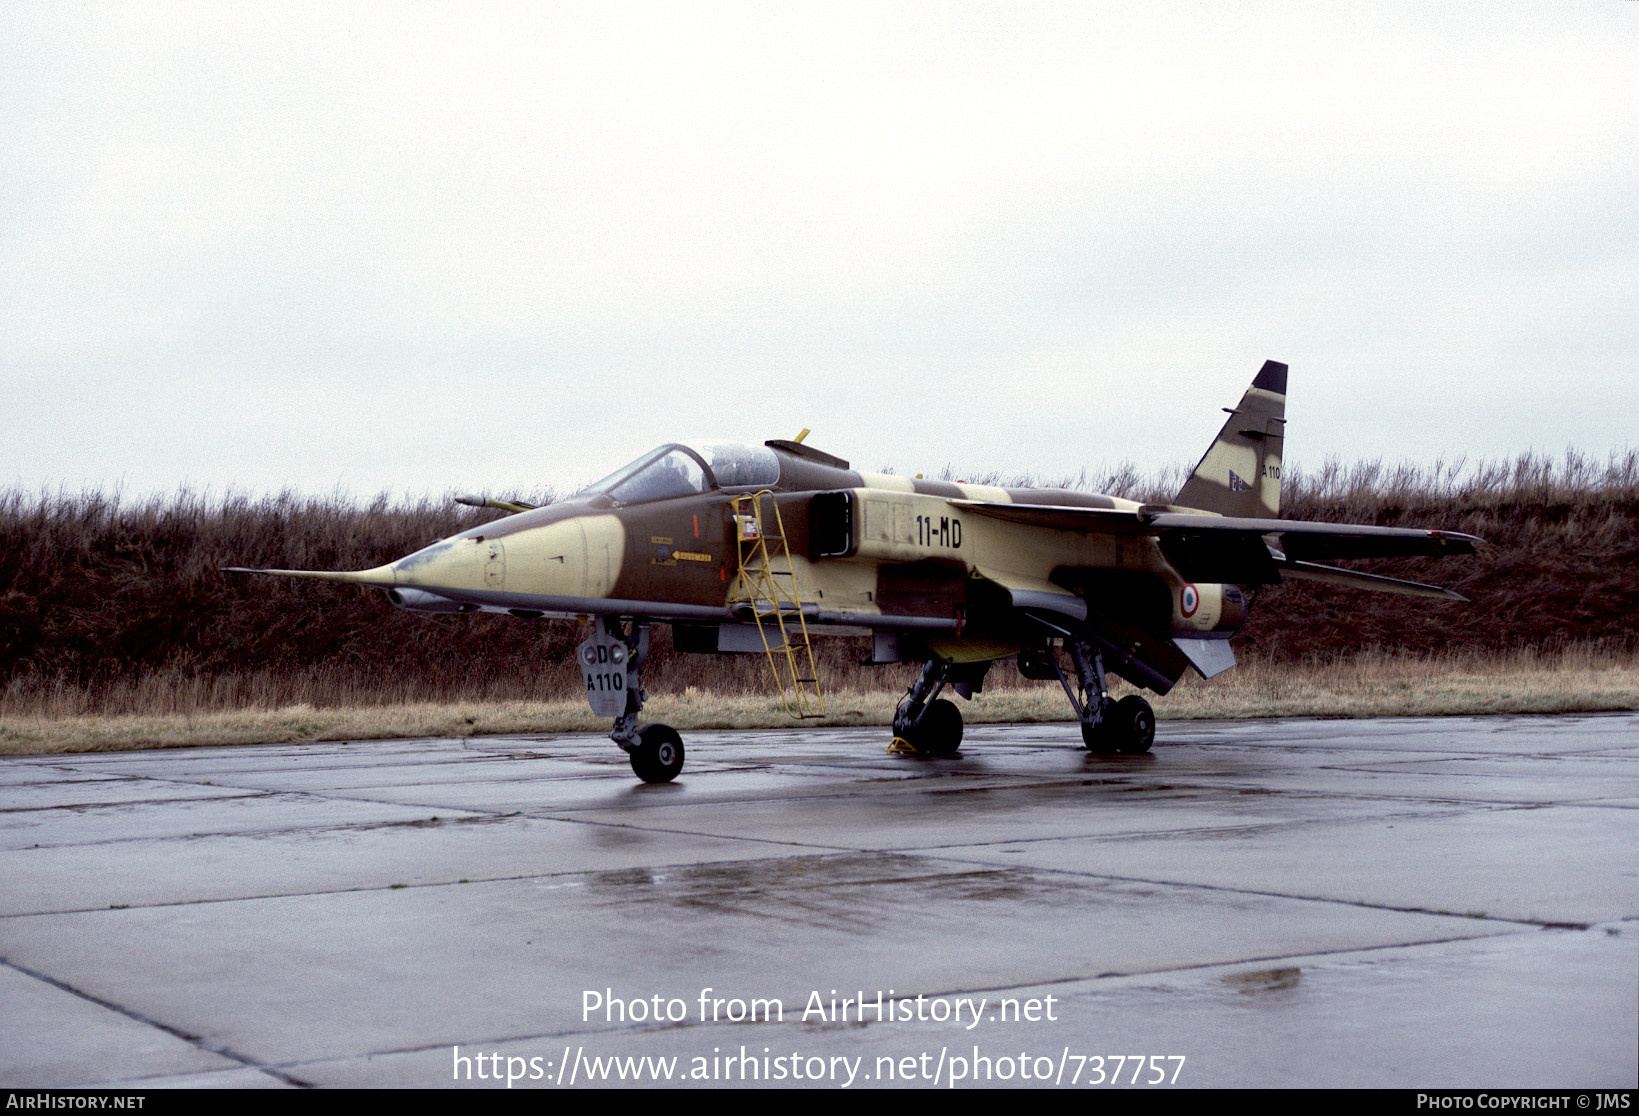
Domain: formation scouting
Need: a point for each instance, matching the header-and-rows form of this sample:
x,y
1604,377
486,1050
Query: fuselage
x,y
883,549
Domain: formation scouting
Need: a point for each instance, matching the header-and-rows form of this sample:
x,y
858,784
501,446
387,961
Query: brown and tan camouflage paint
x,y
1240,473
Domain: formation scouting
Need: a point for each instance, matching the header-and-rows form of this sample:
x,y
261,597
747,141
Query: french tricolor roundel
x,y
1188,600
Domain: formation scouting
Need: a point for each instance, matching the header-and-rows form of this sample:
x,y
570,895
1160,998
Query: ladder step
x,y
776,608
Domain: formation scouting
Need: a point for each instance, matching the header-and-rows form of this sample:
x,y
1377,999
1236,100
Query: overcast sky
x,y
425,247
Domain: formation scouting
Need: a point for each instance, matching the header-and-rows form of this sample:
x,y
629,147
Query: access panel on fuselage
x,y
678,550
931,588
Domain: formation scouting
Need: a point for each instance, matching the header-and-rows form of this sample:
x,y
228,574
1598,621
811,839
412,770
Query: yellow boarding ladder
x,y
775,606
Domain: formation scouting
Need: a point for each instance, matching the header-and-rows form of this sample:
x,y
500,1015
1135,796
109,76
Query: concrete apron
x,y
1449,902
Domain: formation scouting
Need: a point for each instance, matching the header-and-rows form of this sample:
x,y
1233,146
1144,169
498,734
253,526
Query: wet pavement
x,y
1413,902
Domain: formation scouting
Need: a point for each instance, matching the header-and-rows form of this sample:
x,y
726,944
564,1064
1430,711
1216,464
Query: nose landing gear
x,y
612,665
926,724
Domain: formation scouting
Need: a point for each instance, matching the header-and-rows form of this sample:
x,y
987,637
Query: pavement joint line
x,y
1368,796
560,777
912,788
715,836
1028,782
100,777
1342,951
176,1032
978,868
129,802
909,786
465,882
930,853
1541,924
412,823
1128,834
324,796
1451,807
748,801
203,834
192,1077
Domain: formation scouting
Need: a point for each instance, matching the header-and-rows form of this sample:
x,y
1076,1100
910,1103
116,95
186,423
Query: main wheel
x,y
1133,724
940,731
658,756
1100,738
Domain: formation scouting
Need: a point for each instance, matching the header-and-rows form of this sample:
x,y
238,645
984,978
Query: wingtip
x,y
1457,543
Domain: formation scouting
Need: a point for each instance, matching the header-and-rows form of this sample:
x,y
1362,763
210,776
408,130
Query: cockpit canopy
x,y
676,470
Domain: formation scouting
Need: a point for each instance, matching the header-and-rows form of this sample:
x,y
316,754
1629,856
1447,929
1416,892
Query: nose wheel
x,y
938,733
926,724
658,755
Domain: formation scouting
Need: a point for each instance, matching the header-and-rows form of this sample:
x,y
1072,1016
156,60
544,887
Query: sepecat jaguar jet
x,y
759,549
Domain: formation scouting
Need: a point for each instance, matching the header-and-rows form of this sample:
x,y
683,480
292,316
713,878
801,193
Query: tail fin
x,y
1240,474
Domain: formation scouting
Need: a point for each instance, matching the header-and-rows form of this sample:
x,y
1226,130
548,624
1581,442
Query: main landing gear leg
x,y
1127,725
925,723
656,751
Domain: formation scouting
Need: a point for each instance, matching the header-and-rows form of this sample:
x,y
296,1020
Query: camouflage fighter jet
x,y
758,549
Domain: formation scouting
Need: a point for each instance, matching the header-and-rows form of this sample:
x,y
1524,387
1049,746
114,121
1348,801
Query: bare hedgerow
x,y
116,605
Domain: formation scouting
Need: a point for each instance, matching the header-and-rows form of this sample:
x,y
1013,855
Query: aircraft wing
x,y
1213,548
1301,539
1109,521
1306,540
1355,579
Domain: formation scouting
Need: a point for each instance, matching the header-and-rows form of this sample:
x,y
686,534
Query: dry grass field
x,y
118,628
1575,680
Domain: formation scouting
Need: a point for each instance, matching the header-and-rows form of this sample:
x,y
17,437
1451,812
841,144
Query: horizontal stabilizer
x,y
1354,579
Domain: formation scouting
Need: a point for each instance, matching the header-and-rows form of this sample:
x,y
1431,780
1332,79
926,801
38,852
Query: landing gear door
x,y
606,667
